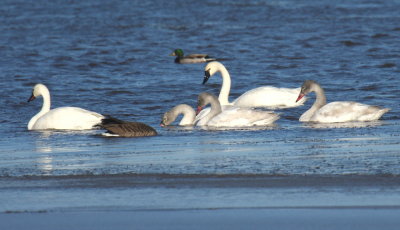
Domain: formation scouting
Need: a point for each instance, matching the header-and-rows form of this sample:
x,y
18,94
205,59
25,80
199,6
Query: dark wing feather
x,y
130,129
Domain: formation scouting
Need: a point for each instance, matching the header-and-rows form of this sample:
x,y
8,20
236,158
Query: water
x,y
112,57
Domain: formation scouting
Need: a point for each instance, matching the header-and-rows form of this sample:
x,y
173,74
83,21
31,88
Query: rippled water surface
x,y
112,57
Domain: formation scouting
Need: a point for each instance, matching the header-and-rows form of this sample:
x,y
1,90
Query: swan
x,y
265,96
72,118
232,117
338,111
191,58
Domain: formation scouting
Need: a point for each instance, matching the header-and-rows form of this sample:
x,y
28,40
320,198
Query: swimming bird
x,y
116,127
191,58
265,96
338,111
71,118
231,117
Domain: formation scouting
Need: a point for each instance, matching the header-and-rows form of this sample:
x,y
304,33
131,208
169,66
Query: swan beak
x,y
206,76
301,95
162,124
199,108
31,98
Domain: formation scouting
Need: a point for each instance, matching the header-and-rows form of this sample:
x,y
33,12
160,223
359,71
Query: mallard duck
x,y
191,58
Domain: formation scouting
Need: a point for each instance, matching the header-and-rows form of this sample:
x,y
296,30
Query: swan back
x,y
343,111
243,117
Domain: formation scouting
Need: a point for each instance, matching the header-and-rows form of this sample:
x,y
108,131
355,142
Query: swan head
x,y
177,52
166,119
307,87
37,91
210,69
203,100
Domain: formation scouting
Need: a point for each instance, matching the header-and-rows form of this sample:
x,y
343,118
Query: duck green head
x,y
177,52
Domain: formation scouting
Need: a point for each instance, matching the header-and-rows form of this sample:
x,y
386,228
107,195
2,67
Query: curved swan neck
x,y
44,92
320,98
318,103
215,108
188,112
226,85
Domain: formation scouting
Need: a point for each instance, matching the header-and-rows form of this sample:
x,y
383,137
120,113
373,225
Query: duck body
x,y
265,96
72,118
128,129
191,58
338,111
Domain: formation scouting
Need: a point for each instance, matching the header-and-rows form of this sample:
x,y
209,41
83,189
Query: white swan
x,y
266,96
232,117
72,118
338,111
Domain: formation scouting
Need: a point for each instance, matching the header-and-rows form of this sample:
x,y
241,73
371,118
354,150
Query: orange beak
x,y
301,95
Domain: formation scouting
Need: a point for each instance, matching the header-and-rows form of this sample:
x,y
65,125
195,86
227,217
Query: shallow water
x,y
112,58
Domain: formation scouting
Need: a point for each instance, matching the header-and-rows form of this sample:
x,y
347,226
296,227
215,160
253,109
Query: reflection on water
x,y
354,124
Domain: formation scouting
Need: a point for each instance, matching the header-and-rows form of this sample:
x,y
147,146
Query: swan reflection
x,y
355,124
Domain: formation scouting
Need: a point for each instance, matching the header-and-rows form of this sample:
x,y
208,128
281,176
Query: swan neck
x,y
226,86
320,97
215,110
188,112
45,108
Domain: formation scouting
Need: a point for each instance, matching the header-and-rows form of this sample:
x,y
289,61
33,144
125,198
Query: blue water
x,y
112,57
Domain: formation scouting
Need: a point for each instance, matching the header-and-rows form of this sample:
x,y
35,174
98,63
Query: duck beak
x,y
162,124
206,76
31,98
199,108
301,95
172,54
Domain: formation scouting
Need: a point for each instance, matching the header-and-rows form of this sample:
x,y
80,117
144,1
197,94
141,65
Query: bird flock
x,y
253,108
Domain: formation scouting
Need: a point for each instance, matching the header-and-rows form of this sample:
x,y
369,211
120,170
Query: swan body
x,y
266,96
191,58
72,118
230,117
338,111
234,116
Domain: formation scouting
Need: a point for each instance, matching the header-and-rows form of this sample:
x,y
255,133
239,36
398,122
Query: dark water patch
x,y
120,92
276,66
372,87
350,43
379,35
387,65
